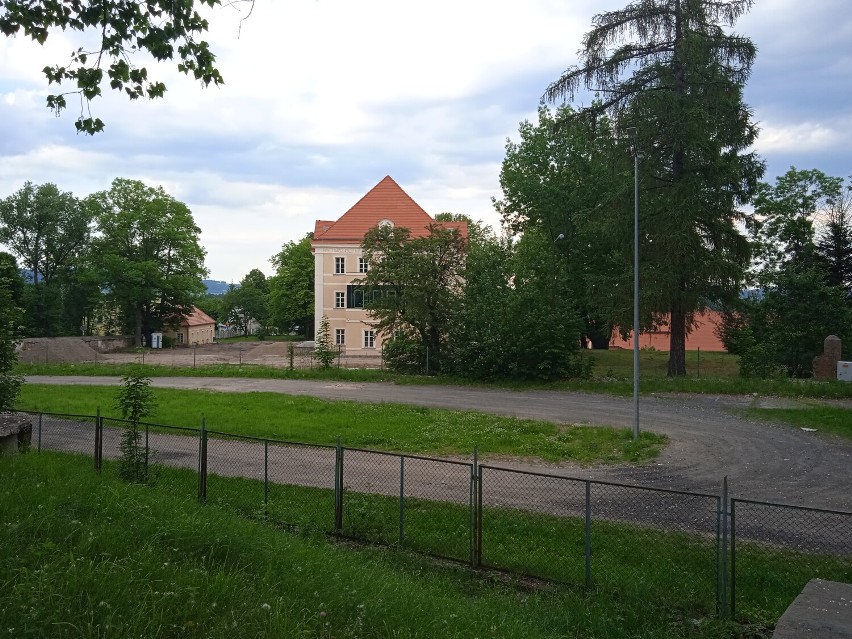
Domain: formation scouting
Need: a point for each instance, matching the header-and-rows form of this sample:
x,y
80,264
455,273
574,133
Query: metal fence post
x,y
733,608
147,449
97,438
338,488
479,516
474,510
202,462
39,432
265,475
401,499
588,534
722,583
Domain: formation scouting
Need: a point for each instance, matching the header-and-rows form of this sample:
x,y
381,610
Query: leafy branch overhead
x,y
163,29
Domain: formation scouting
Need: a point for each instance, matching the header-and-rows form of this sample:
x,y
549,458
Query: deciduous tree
x,y
148,253
161,29
415,285
291,289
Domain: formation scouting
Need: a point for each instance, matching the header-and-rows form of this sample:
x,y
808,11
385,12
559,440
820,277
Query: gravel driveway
x,y
763,461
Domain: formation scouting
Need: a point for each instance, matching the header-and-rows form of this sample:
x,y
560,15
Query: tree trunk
x,y
677,341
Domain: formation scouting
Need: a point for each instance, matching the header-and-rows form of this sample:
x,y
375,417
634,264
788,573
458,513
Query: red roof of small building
x,y
196,317
385,201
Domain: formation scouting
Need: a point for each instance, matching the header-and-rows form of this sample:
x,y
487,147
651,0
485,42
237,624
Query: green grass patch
x,y
835,420
87,556
389,427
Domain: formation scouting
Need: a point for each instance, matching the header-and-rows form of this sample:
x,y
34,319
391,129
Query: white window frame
x,y
339,299
363,265
339,265
339,336
369,338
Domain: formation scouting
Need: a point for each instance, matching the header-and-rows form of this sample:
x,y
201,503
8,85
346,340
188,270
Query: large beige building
x,y
339,261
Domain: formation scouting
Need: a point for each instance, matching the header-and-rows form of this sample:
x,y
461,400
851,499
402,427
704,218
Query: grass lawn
x,y
88,556
714,373
391,427
825,419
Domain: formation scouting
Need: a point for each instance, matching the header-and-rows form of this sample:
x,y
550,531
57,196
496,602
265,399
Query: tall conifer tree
x,y
673,70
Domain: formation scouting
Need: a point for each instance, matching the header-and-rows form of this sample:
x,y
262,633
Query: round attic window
x,y
388,224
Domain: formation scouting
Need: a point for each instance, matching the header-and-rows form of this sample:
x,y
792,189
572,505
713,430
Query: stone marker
x,y
825,365
16,432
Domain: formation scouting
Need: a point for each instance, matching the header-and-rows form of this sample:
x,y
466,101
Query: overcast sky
x,y
323,98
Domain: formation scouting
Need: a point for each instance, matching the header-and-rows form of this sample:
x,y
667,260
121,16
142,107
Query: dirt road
x,y
708,441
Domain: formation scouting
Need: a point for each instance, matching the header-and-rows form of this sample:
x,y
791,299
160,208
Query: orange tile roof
x,y
385,201
196,317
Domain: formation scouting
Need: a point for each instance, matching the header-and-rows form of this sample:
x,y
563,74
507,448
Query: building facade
x,y
339,262
195,328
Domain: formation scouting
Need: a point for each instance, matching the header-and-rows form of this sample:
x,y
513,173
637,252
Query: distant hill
x,y
216,287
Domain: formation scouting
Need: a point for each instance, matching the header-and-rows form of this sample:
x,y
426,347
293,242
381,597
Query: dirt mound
x,y
39,350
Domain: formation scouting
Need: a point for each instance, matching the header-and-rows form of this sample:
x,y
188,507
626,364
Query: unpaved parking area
x,y
762,460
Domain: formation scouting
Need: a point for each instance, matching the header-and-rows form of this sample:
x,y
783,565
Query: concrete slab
x,y
822,611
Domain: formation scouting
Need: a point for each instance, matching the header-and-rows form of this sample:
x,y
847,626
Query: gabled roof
x,y
196,317
385,201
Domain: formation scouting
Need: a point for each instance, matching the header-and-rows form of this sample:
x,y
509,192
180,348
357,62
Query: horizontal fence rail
x,y
694,549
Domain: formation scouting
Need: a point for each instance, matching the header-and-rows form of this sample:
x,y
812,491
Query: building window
x,y
339,299
339,265
362,265
340,336
370,339
179,337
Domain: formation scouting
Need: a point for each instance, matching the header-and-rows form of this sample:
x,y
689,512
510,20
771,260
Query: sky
x,y
323,98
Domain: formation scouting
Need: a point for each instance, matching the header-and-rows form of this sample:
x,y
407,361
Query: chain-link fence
x,y
777,549
682,547
601,534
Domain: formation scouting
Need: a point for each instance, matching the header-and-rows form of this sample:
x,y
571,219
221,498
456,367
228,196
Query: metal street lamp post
x,y
631,131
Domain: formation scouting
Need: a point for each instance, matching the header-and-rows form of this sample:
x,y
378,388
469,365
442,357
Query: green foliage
x,y
805,295
50,232
518,319
148,253
834,240
324,349
785,330
419,280
291,289
671,70
158,28
134,400
10,383
247,302
784,230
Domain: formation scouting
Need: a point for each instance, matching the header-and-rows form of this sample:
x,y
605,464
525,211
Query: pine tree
x,y
670,69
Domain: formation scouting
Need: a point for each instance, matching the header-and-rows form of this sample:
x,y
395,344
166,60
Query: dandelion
x,y
265,606
323,613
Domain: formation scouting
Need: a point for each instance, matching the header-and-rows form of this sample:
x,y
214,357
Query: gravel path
x,y
763,461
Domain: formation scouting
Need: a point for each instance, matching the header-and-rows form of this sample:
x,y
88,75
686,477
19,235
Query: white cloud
x,y
325,97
